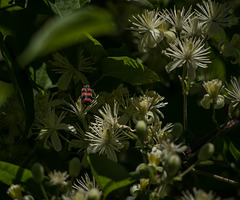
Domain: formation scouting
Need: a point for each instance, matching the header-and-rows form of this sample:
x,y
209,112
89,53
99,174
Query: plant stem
x,y
227,180
189,169
44,192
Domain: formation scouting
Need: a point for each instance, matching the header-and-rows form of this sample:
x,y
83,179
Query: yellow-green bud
x,y
14,191
177,130
141,129
173,165
38,172
93,194
206,152
74,167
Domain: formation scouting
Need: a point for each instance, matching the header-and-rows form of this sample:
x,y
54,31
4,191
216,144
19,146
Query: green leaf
x,y
63,7
59,32
13,174
128,70
234,151
21,85
83,2
108,174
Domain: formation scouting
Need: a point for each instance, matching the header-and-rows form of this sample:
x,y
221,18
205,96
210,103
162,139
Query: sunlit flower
x,y
190,52
177,18
85,183
215,16
58,178
233,90
49,128
199,194
108,116
149,25
103,139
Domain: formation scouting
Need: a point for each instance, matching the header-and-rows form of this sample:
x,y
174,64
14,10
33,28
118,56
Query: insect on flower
x,y
87,95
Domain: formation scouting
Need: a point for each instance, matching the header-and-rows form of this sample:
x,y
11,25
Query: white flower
x,y
177,18
190,52
214,17
85,183
193,27
199,194
79,109
58,178
49,128
14,191
148,24
233,91
103,139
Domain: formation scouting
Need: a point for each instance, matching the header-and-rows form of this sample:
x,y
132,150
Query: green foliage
x,y
128,70
85,92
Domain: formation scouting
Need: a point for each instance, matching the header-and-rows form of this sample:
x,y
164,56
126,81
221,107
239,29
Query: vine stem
x,y
44,192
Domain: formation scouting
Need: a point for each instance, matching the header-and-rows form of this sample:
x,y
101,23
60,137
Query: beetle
x,y
87,95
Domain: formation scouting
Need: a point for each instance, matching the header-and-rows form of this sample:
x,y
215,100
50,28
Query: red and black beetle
x,y
87,95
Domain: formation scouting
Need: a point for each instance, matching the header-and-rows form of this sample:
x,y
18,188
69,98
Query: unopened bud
x,y
206,152
177,130
74,167
228,50
38,172
141,129
236,40
173,165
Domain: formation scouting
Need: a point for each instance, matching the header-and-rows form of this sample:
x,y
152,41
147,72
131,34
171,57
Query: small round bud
x,y
93,194
177,130
206,152
206,101
74,167
141,129
38,172
173,165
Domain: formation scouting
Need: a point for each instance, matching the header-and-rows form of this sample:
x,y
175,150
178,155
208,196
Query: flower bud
x,y
206,152
206,101
74,167
93,194
14,191
134,190
228,50
38,172
149,117
177,130
173,165
141,129
219,102
236,40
